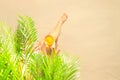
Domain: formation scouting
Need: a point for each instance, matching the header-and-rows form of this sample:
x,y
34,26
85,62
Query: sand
x,y
92,31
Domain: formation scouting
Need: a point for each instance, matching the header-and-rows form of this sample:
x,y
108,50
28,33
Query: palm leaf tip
x,y
25,35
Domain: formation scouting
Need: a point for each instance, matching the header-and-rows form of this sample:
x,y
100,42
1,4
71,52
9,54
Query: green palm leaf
x,y
25,35
45,67
7,54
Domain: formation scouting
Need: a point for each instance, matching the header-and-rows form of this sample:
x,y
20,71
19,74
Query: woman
x,y
50,42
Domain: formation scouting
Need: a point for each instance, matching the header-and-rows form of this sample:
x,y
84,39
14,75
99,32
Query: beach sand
x,y
92,31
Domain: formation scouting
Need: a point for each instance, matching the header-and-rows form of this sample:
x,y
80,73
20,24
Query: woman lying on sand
x,y
50,41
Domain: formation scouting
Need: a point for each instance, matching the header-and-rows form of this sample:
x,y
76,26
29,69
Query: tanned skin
x,y
55,33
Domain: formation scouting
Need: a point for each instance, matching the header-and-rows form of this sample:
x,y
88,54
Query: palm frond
x,y
25,35
45,67
7,54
